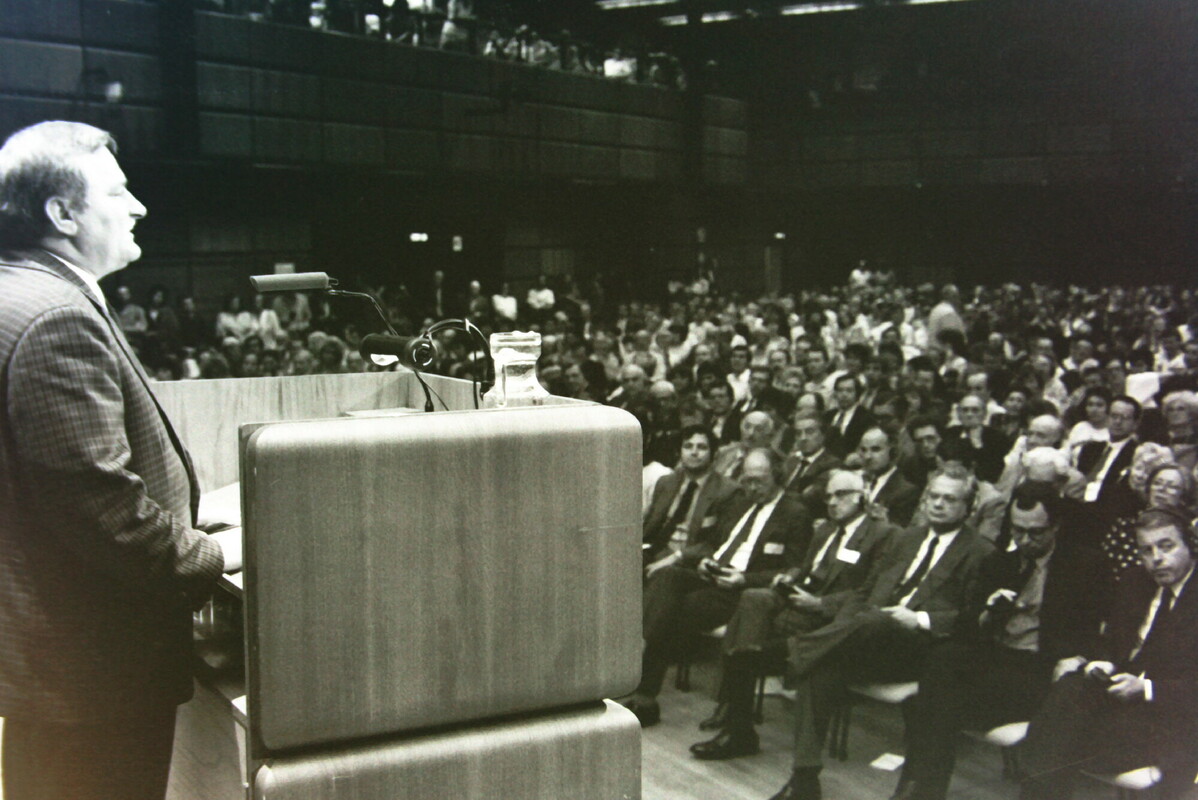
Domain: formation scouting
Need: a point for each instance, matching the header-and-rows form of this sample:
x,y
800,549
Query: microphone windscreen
x,y
414,352
296,282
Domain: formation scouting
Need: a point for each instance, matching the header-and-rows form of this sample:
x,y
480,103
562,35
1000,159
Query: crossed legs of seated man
x,y
679,605
975,686
754,642
867,646
1082,726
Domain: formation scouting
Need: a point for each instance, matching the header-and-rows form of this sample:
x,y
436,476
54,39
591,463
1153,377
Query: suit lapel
x,y
821,535
944,567
705,498
852,543
902,558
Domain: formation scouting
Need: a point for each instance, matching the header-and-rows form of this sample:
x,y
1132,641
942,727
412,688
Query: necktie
x,y
906,587
1102,457
741,537
1163,610
820,574
799,469
682,512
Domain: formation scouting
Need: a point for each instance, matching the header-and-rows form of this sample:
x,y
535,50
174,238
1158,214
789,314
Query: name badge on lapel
x,y
774,548
849,556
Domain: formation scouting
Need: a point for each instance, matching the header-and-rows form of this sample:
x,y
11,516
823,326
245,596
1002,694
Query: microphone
x,y
296,282
414,352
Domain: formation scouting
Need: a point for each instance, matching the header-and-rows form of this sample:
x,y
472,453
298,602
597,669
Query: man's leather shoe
x,y
648,712
716,720
727,745
803,785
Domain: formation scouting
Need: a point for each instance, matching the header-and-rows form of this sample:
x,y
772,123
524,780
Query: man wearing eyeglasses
x,y
1036,604
843,550
916,598
1132,700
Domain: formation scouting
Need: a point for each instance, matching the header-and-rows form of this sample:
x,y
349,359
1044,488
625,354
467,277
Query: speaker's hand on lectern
x,y
230,547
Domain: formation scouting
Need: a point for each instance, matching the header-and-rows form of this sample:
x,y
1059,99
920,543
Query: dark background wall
x,y
989,140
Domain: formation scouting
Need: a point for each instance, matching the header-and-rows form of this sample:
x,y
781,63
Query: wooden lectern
x,y
433,605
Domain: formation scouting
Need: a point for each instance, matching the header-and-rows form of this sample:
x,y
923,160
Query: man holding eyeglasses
x,y
843,550
1035,605
914,600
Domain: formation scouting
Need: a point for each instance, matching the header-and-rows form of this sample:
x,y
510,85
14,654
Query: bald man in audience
x,y
1045,430
756,430
913,600
843,550
758,532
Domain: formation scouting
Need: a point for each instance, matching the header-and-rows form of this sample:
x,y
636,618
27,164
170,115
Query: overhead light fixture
x,y
817,8
711,16
609,5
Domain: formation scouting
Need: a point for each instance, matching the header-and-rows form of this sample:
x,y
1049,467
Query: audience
x,y
871,404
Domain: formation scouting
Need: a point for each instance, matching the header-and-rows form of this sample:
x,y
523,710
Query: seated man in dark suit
x,y
725,418
683,500
842,552
758,532
1040,604
1136,702
910,602
974,444
1107,494
889,494
849,420
807,468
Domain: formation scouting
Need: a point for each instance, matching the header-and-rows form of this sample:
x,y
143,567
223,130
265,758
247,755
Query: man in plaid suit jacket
x,y
100,564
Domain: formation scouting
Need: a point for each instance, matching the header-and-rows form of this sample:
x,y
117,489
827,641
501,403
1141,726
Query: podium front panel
x,y
423,570
582,754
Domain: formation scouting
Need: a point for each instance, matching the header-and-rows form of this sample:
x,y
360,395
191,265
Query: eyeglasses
x,y
844,494
1019,532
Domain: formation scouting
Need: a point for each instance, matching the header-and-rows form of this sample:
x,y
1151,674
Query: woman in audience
x,y
1180,410
1096,405
1119,543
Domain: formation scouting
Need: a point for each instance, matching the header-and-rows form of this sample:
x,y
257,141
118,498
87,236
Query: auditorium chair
x,y
890,693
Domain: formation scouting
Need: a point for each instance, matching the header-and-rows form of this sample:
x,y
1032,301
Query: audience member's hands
x,y
1127,687
1067,665
661,563
903,616
730,579
879,512
1000,596
802,599
1100,670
